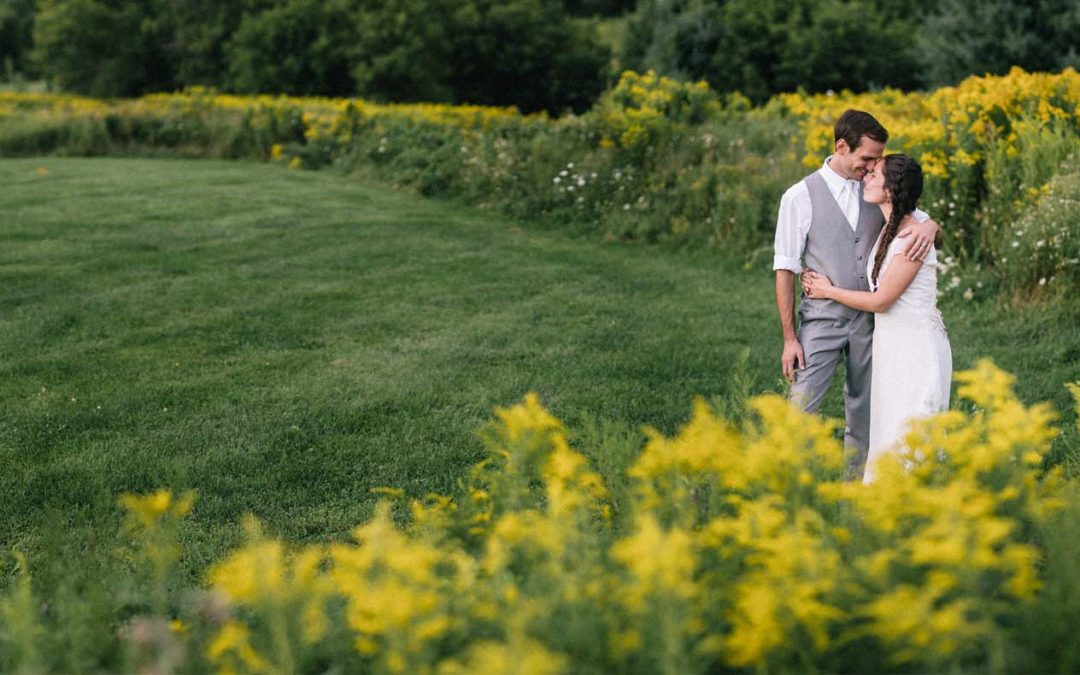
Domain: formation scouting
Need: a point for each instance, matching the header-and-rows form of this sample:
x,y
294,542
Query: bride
x,y
912,360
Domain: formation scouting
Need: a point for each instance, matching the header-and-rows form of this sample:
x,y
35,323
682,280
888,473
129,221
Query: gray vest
x,y
836,251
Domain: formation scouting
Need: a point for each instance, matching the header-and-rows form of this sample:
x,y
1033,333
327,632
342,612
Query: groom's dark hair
x,y
854,124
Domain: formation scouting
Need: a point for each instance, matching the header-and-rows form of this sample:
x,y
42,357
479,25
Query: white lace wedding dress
x,y
912,362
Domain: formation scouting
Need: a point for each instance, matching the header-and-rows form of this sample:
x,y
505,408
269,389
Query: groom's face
x,y
856,163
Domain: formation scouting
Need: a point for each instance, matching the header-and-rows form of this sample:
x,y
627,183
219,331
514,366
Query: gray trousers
x,y
825,341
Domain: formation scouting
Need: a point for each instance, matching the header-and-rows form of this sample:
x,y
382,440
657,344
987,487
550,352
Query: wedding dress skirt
x,y
912,360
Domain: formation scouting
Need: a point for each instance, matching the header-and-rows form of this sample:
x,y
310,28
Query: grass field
x,y
283,342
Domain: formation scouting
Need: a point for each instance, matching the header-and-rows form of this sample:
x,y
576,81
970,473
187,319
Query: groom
x,y
824,222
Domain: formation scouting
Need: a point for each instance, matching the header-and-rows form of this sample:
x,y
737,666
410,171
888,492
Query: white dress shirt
x,y
794,218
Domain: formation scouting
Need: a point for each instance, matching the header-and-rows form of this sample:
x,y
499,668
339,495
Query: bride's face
x,y
874,184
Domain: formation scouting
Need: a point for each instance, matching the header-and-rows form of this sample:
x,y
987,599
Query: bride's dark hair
x,y
904,185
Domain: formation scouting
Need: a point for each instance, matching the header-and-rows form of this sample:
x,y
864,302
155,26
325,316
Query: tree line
x,y
553,55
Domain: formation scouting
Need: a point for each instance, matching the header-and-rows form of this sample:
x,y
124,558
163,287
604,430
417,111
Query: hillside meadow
x,y
297,346
289,414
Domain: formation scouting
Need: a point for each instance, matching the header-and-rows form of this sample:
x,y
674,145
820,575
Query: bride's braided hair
x,y
904,185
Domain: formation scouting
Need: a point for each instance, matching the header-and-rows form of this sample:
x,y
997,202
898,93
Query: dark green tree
x,y
105,47
652,39
294,47
202,29
761,47
16,37
965,37
527,53
402,49
599,7
839,44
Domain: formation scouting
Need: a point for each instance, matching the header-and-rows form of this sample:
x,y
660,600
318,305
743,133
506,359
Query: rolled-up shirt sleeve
x,y
792,227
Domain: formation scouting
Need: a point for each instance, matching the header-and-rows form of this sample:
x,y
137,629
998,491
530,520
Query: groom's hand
x,y
792,359
923,237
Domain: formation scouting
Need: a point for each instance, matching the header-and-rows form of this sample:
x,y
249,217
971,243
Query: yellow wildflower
x,y
231,650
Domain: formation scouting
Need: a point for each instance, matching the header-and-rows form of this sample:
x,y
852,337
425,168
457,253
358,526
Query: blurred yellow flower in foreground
x,y
742,548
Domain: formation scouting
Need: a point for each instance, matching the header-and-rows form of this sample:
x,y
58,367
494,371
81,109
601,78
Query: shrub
x,y
645,111
1042,258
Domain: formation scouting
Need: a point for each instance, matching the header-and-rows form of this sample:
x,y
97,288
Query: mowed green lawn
x,y
282,342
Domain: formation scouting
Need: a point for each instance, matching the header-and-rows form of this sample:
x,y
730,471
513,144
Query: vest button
x,y
856,240
860,258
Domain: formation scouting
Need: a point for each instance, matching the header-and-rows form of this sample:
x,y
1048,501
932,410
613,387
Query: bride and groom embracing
x,y
869,292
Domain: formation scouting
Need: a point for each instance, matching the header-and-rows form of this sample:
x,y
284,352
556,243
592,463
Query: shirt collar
x,y
835,181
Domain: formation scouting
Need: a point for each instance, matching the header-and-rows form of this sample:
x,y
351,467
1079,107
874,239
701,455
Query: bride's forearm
x,y
894,282
860,300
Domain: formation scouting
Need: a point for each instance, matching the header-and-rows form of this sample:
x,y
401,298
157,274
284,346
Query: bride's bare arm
x,y
892,284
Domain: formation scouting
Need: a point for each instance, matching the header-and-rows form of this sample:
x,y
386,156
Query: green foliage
x,y
837,45
535,54
649,41
764,47
16,38
105,48
1041,250
294,47
1059,607
761,47
401,50
598,7
202,32
20,630
959,38
644,111
526,53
